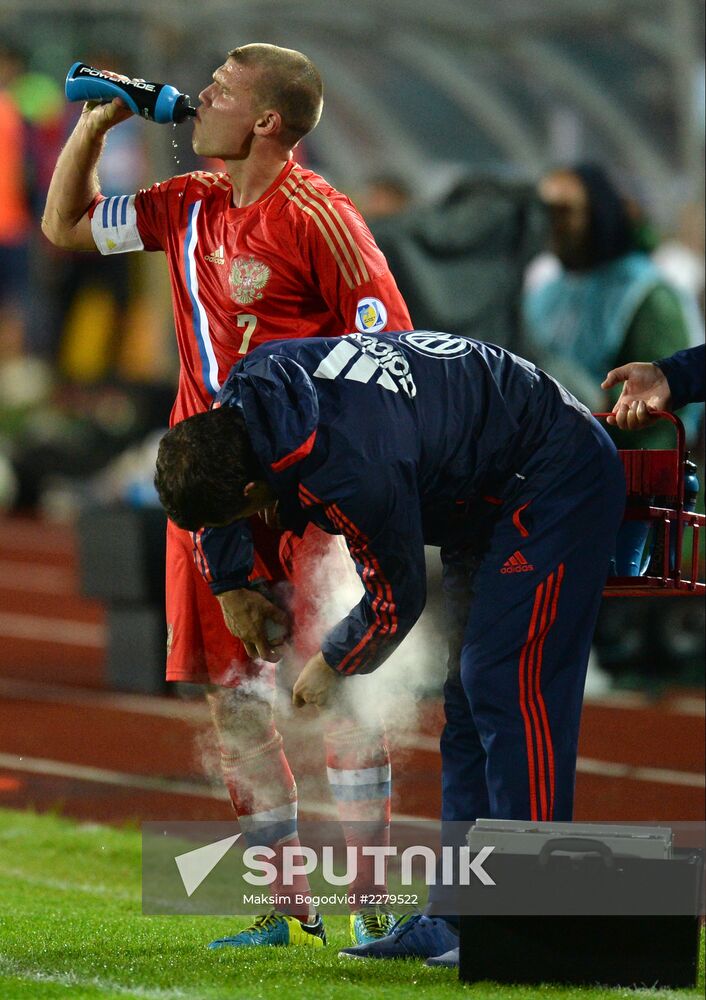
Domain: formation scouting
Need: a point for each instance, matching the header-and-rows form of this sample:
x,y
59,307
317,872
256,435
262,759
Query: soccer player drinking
x,y
266,250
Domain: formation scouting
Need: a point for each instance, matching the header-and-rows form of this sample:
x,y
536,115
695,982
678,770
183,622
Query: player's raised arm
x,y
74,185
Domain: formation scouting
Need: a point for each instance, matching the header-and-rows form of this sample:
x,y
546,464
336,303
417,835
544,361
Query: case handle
x,y
577,845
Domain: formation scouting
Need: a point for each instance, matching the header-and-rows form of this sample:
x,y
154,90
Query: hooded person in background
x,y
610,302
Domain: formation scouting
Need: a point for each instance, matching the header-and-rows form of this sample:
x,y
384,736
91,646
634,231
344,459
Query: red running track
x,y
67,742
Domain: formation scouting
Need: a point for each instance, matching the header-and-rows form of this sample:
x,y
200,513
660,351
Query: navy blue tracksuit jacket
x,y
400,440
686,374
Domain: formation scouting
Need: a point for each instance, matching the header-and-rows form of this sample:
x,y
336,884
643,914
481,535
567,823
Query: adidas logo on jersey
x,y
375,361
516,564
217,257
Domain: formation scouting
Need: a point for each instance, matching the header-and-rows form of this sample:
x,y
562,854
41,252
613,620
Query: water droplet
x,y
175,147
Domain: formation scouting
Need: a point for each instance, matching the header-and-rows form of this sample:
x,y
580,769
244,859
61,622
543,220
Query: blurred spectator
x,y
40,101
31,116
460,263
609,302
55,434
383,195
15,217
95,306
681,255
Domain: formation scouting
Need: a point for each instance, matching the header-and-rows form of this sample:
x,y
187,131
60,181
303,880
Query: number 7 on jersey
x,y
249,322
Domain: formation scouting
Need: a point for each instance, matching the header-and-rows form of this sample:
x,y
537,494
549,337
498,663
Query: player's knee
x,y
241,719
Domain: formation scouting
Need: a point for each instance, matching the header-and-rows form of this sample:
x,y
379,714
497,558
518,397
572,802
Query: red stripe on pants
x,y
538,738
538,692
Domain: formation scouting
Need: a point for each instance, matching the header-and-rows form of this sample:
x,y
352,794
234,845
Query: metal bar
x,y
695,540
666,537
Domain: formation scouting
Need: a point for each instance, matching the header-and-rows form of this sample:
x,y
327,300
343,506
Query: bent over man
x,y
395,441
265,250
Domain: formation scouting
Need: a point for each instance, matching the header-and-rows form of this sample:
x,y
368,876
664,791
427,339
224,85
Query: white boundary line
x,y
82,772
63,631
136,704
195,789
195,711
590,765
62,885
674,705
35,539
69,979
688,705
55,580
631,772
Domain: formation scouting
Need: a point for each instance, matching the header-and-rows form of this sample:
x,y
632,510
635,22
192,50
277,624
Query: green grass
x,y
71,926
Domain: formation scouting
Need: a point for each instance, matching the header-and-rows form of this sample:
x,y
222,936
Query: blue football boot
x,y
370,925
275,929
449,960
415,936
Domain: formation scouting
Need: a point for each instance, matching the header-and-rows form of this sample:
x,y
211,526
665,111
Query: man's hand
x,y
99,117
646,389
315,684
255,621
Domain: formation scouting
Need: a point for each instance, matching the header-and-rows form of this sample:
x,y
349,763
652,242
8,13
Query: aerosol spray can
x,y
158,102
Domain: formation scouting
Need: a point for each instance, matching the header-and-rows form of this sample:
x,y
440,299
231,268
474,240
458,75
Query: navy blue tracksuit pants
x,y
528,608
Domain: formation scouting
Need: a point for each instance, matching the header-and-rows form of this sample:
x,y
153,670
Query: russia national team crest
x,y
248,278
370,316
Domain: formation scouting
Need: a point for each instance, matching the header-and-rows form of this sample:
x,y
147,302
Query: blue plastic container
x,y
158,102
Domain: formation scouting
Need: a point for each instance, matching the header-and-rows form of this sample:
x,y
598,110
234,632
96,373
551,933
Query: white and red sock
x,y
264,795
358,769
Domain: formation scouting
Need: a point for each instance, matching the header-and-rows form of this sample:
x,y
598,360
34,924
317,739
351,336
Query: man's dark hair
x,y
203,465
288,82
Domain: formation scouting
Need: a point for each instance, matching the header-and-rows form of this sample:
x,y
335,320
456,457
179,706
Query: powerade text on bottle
x,y
159,102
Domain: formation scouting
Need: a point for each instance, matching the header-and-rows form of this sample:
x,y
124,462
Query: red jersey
x,y
298,262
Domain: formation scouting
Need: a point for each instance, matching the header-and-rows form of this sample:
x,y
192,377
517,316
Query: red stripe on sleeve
x,y
516,519
295,456
200,556
383,603
306,497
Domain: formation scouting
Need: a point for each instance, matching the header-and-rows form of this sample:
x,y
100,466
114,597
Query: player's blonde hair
x,y
288,82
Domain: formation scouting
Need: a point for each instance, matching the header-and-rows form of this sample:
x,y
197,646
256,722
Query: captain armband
x,y
114,225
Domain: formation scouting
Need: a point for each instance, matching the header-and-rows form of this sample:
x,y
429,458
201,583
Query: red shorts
x,y
200,649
